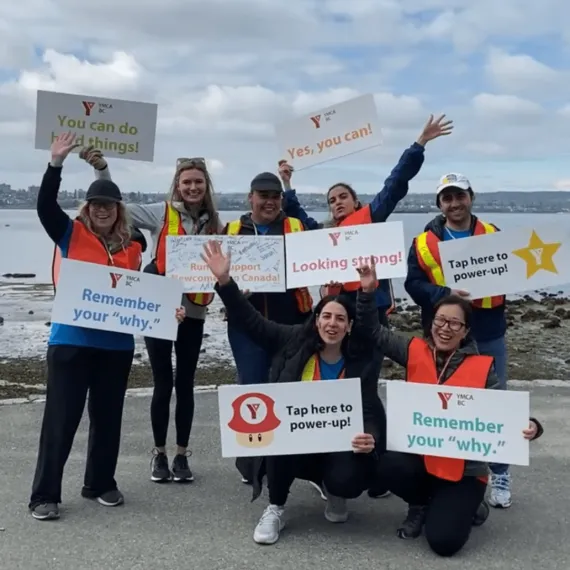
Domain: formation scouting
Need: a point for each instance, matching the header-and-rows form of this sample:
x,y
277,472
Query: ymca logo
x,y
115,278
444,397
335,236
316,121
88,106
253,410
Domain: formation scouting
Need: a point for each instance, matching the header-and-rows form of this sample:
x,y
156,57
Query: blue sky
x,y
223,73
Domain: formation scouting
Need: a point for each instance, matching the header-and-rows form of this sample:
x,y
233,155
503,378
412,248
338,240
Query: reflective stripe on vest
x,y
471,373
173,227
84,245
290,225
427,252
312,370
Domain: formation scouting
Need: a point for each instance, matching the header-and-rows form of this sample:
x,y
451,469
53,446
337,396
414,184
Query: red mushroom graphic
x,y
255,430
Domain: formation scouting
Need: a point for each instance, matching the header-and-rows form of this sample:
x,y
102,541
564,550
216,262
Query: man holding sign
x,y
426,285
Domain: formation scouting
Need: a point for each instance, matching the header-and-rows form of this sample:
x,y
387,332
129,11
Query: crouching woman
x,y
445,496
336,342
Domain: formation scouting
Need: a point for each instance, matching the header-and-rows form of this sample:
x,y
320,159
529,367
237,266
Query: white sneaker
x,y
319,490
500,496
270,525
336,510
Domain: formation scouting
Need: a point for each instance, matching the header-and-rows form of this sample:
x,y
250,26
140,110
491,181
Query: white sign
x,y
334,254
461,423
334,132
258,263
112,299
290,418
120,129
510,261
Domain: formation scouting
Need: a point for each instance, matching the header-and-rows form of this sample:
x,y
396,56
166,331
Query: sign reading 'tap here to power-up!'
x,y
331,133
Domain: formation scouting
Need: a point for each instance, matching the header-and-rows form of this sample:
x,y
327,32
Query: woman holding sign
x,y
334,343
445,495
189,210
81,360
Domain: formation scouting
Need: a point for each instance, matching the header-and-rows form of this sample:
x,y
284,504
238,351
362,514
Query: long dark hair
x,y
357,203
453,300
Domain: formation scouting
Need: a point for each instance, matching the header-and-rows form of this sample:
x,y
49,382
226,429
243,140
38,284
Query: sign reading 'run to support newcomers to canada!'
x,y
460,423
510,261
120,129
334,254
334,132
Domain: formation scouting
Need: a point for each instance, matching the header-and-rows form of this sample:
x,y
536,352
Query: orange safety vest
x,y
471,373
84,245
427,252
290,225
312,370
173,227
358,218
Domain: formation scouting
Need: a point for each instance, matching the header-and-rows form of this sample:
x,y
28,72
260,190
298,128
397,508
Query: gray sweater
x,y
151,217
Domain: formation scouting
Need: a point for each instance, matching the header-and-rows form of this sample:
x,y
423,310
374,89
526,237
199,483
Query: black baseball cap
x,y
104,191
266,182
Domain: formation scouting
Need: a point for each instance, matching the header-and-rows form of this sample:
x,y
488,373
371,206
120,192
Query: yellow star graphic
x,y
538,255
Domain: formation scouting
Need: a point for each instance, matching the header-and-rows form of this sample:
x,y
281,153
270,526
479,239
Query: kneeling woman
x,y
445,495
335,343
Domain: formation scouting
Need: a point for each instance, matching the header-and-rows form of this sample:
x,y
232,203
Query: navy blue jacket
x,y
395,189
487,324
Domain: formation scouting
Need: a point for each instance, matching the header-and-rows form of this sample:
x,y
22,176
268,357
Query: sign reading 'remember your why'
x,y
334,254
334,132
461,423
112,299
119,128
510,261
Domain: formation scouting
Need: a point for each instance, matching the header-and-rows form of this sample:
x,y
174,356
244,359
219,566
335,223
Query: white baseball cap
x,y
453,180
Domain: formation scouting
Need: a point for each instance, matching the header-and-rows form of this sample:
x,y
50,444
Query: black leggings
x,y
344,474
187,348
451,506
72,372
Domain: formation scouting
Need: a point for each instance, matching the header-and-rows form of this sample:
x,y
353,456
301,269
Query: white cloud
x,y
506,108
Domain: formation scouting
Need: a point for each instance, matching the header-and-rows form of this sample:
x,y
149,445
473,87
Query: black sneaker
x,y
112,498
181,470
482,514
160,473
413,525
46,512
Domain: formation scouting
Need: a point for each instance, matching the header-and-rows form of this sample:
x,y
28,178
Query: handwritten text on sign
x,y
113,299
334,254
511,261
121,129
334,132
258,263
462,423
289,418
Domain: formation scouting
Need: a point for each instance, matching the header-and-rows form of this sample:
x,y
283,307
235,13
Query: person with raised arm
x,y
335,342
82,360
189,210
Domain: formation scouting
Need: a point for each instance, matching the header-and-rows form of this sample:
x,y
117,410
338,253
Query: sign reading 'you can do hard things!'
x,y
334,254
121,129
334,132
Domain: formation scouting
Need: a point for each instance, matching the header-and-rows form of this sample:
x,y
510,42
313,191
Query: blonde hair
x,y
120,233
208,203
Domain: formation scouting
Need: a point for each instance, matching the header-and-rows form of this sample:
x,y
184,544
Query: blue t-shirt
x,y
330,371
262,228
449,234
81,336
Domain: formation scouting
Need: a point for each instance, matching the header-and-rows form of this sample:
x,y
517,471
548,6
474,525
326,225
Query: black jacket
x,y
291,348
278,307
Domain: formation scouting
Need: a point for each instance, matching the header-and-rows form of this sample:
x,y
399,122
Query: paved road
x,y
208,525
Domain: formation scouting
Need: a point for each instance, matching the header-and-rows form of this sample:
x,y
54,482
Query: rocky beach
x,y
538,340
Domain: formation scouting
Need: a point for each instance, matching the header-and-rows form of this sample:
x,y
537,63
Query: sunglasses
x,y
191,161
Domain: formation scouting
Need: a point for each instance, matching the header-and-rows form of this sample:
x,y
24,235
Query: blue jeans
x,y
497,348
252,362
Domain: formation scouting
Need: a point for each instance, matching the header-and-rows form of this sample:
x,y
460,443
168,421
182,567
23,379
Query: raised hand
x,y
62,146
363,443
218,263
368,279
285,172
94,157
435,128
